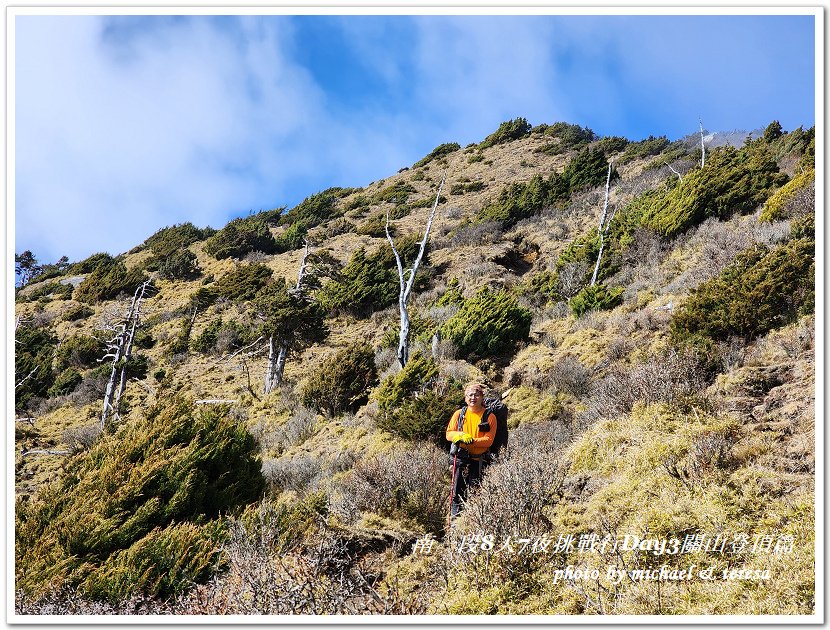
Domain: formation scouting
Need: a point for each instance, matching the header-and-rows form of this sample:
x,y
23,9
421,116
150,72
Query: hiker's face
x,y
474,397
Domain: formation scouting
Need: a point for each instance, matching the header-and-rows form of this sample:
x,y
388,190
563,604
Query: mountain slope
x,y
637,416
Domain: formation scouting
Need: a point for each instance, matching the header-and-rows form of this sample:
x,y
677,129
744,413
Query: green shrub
x,y
144,339
164,562
292,320
137,366
452,296
292,238
568,137
370,282
570,134
420,328
139,512
317,209
440,151
612,144
314,210
644,148
507,131
66,382
206,341
425,416
731,182
90,264
45,291
799,143
773,131
78,351
596,298
375,226
220,336
542,284
398,193
788,201
244,282
584,248
171,258
415,404
240,237
489,323
342,382
178,265
761,290
76,312
33,349
169,239
462,188
808,154
359,203
202,298
108,281
519,200
411,379
804,227
27,269
588,168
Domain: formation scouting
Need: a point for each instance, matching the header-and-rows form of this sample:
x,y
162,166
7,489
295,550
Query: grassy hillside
x,y
668,406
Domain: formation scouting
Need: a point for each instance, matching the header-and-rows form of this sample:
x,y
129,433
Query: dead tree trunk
x,y
120,348
270,367
603,227
702,146
276,359
674,170
406,284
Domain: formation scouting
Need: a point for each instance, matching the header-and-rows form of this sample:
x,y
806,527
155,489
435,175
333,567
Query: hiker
x,y
471,436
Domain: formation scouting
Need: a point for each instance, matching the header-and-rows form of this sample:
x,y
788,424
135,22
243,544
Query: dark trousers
x,y
467,475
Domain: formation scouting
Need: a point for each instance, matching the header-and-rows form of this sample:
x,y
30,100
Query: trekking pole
x,y
452,490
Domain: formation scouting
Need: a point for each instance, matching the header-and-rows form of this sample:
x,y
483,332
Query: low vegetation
x,y
241,237
673,400
140,512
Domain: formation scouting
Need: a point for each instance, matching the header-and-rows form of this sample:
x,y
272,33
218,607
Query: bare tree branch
x,y
603,226
302,271
250,345
673,170
277,356
120,349
406,284
43,452
26,378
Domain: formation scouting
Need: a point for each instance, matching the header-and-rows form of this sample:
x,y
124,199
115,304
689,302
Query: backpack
x,y
498,409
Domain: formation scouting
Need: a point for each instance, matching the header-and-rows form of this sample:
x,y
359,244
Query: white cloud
x,y
195,120
114,144
480,71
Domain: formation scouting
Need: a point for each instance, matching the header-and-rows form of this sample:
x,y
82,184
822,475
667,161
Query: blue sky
x,y
127,124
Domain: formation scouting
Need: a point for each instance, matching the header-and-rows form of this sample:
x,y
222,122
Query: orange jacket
x,y
481,441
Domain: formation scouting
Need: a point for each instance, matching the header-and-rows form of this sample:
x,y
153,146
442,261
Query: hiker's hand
x,y
462,437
